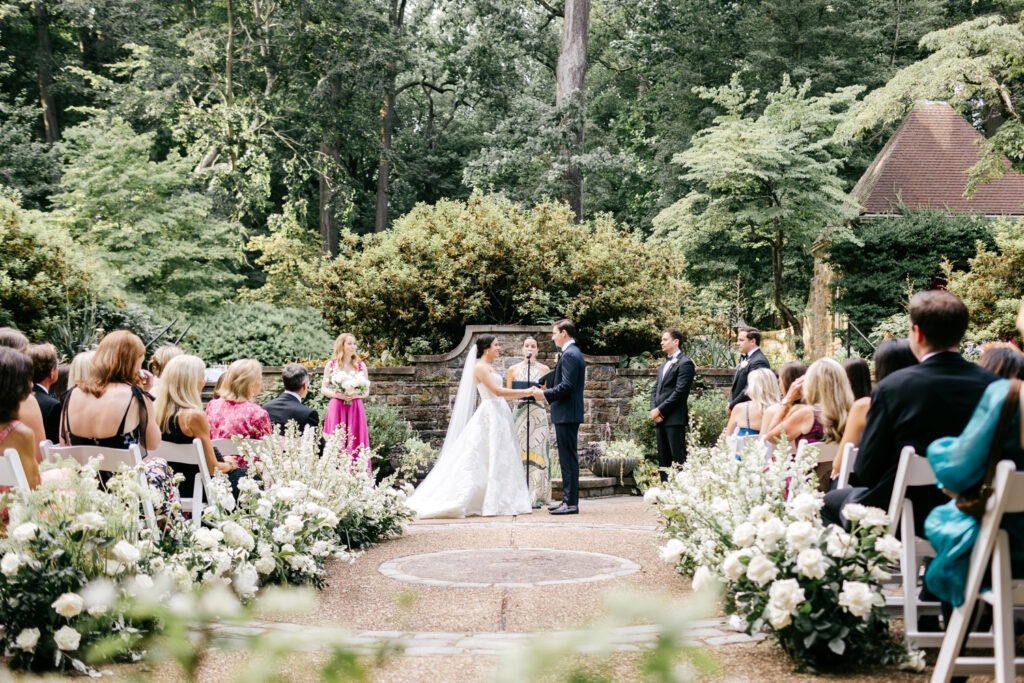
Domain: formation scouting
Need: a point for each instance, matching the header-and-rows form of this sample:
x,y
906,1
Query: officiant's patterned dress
x,y
540,438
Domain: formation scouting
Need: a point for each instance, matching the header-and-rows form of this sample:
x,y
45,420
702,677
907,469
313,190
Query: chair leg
x,y
951,644
197,502
1002,610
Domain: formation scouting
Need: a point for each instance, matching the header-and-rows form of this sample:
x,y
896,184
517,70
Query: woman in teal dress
x,y
959,463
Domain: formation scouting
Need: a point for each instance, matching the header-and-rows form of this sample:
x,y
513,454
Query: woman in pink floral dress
x,y
233,412
345,409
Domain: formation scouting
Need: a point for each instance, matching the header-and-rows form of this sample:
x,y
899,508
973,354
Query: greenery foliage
x,y
993,287
273,335
386,427
444,266
898,255
707,416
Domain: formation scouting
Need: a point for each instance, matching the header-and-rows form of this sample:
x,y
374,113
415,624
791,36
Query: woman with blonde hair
x,y
827,399
763,390
346,410
233,412
81,369
180,416
161,357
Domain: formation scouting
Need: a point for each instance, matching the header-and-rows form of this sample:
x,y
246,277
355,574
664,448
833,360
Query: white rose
x,y
801,534
879,574
876,517
294,523
24,532
888,547
286,494
125,552
246,581
208,538
68,605
287,548
67,638
672,551
221,562
914,661
857,598
27,639
265,564
840,544
811,563
10,564
703,579
805,506
786,595
779,618
89,520
770,531
744,535
761,570
759,513
652,494
854,511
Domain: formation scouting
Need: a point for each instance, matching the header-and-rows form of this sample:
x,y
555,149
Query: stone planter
x,y
613,467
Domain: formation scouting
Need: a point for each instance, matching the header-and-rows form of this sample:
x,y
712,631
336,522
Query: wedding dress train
x,y
480,472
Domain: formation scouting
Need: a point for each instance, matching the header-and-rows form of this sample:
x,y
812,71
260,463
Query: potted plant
x,y
614,458
413,459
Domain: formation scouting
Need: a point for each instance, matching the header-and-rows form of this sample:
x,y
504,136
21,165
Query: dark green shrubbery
x,y
271,334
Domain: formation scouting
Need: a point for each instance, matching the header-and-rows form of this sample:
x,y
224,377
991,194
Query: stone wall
x,y
425,391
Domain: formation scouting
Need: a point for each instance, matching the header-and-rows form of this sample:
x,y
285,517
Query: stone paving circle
x,y
506,567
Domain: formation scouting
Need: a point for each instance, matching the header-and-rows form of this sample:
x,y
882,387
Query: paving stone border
x,y
551,526
708,632
576,566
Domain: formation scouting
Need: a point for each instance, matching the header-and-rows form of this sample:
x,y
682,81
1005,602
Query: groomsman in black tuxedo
x,y
668,401
566,401
288,406
44,374
748,341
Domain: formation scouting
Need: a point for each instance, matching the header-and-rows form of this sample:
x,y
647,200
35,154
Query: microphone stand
x,y
528,400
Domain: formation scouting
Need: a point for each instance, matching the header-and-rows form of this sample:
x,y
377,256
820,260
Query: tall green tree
x,y
767,180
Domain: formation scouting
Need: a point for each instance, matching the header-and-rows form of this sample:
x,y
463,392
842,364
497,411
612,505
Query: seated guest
x,y
44,374
827,400
915,406
859,374
960,463
179,414
111,407
763,391
15,386
1002,358
288,406
81,369
161,357
788,374
29,412
890,356
233,412
58,388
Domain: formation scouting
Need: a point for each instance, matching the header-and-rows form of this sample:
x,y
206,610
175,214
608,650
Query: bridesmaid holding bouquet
x,y
346,383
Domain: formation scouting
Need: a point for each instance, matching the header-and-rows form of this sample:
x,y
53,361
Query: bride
x,y
480,471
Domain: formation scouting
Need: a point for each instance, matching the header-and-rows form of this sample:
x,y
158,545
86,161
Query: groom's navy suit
x,y
566,401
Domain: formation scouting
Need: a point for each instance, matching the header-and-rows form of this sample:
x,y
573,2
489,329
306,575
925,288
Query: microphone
x,y
529,355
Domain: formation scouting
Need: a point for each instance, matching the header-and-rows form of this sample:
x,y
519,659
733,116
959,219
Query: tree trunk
x,y
570,77
820,329
328,216
44,67
788,317
384,167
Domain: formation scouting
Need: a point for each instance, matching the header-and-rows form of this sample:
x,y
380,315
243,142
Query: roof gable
x,y
924,165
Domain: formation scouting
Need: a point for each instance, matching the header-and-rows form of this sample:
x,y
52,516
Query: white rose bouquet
x,y
352,383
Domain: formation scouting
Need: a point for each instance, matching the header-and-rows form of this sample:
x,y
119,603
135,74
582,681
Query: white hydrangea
x,y
652,495
208,538
265,565
236,536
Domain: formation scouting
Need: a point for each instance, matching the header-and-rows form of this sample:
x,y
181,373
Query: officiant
x,y
537,453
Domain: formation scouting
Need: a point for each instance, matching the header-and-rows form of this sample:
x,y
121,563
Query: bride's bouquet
x,y
352,383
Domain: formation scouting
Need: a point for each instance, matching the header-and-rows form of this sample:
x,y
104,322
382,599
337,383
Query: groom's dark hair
x,y
674,333
566,325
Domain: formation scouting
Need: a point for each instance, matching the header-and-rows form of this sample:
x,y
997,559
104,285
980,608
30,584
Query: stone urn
x,y
618,468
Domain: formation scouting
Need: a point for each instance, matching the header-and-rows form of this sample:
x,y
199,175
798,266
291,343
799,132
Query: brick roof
x,y
924,164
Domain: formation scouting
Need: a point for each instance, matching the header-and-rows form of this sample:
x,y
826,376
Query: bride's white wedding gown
x,y
482,473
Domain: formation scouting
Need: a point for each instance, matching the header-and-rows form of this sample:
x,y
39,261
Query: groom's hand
x,y
538,393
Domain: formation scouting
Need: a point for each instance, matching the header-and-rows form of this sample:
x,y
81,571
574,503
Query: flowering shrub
x,y
756,532
363,513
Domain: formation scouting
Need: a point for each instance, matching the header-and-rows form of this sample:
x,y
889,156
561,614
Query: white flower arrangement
x,y
755,531
348,382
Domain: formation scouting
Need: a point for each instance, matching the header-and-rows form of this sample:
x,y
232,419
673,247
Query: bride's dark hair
x,y
483,343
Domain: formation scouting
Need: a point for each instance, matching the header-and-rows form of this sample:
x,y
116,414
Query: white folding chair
x,y
189,454
992,544
736,442
11,472
227,447
112,459
846,466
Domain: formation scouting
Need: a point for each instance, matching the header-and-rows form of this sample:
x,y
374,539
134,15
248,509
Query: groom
x,y
566,399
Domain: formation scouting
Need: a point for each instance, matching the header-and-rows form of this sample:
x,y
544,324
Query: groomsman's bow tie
x,y
743,356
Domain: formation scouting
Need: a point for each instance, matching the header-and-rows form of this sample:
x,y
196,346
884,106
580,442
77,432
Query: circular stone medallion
x,y
506,567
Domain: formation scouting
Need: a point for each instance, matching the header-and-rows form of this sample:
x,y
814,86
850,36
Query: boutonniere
x,y
671,362
745,363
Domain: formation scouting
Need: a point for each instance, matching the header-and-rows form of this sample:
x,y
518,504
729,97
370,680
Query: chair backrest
x,y
11,471
913,470
849,460
189,454
226,447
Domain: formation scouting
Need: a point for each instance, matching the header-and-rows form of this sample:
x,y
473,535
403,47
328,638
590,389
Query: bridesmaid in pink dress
x,y
345,409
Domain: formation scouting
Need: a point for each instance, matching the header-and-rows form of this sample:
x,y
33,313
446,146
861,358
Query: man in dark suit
x,y
566,400
44,374
288,406
668,401
748,341
915,406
